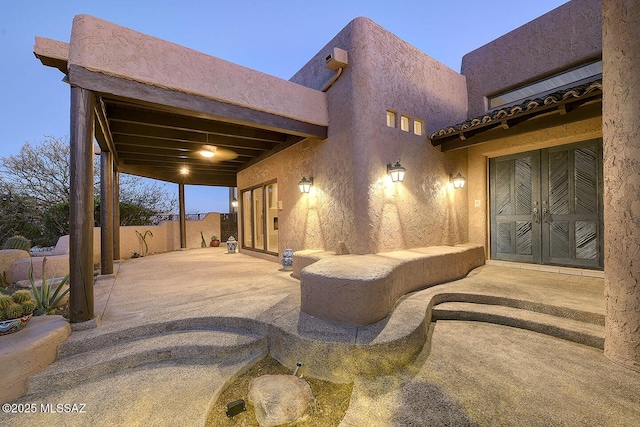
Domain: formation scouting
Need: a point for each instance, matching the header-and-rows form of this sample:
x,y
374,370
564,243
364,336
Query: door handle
x,y
536,215
545,215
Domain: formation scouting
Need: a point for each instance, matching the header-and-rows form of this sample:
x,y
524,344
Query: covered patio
x,y
166,112
504,343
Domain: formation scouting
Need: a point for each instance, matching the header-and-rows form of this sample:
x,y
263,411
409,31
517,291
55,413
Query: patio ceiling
x,y
158,141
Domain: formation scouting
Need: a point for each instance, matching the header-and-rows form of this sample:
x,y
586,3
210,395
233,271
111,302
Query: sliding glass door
x,y
260,218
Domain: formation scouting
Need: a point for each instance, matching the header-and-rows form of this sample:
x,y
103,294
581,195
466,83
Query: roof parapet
x,y
52,53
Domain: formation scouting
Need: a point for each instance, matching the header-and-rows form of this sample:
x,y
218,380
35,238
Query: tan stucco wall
x,y
101,46
353,200
478,155
566,36
166,236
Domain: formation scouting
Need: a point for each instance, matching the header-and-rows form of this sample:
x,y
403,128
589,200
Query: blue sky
x,y
275,37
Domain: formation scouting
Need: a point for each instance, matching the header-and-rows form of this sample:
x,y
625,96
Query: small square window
x,y
404,123
391,119
418,127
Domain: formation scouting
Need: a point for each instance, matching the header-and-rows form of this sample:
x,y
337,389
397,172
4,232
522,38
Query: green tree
x,y
35,193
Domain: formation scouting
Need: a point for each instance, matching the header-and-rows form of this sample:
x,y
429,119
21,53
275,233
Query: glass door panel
x,y
272,217
258,218
247,224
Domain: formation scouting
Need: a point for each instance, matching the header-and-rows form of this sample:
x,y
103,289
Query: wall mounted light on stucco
x,y
458,181
396,171
305,184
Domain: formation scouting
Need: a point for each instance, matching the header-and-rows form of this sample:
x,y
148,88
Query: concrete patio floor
x,y
177,327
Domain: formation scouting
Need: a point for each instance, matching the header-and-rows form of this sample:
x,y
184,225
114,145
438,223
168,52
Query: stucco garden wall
x,y
166,236
353,199
568,35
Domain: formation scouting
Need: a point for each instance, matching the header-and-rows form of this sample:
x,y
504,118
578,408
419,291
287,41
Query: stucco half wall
x,y
363,289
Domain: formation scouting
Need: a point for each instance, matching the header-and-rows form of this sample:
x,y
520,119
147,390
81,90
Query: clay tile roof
x,y
525,107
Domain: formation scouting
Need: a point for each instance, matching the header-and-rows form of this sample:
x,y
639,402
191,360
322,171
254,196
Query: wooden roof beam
x,y
189,124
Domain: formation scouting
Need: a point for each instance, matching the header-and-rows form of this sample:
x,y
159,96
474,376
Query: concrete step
x,y
568,329
93,339
194,346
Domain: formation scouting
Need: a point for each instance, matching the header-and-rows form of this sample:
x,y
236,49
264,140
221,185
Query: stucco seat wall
x,y
304,258
29,351
363,289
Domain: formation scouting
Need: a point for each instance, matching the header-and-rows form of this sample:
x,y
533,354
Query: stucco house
x,y
542,124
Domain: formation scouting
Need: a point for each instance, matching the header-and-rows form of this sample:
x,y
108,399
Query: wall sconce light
x,y
458,180
234,203
305,184
396,171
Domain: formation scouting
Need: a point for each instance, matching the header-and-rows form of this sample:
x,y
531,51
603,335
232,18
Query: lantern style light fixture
x,y
234,203
396,171
458,180
184,170
305,184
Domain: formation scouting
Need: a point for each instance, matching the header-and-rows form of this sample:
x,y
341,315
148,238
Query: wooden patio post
x,y
81,206
183,217
106,212
116,213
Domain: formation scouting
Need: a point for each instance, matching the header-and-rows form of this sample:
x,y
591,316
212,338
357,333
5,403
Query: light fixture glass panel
x,y
305,184
458,181
396,172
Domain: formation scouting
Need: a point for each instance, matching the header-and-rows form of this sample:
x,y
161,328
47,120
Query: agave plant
x,y
143,239
48,295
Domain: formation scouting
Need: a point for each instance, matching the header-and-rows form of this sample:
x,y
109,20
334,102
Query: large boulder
x,y
7,257
280,399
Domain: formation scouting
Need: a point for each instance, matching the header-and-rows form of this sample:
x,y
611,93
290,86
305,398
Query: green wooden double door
x,y
546,206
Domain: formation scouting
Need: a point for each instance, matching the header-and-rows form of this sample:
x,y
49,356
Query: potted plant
x,y
215,242
15,311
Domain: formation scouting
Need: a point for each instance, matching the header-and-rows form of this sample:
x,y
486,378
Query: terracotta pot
x,y
215,243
